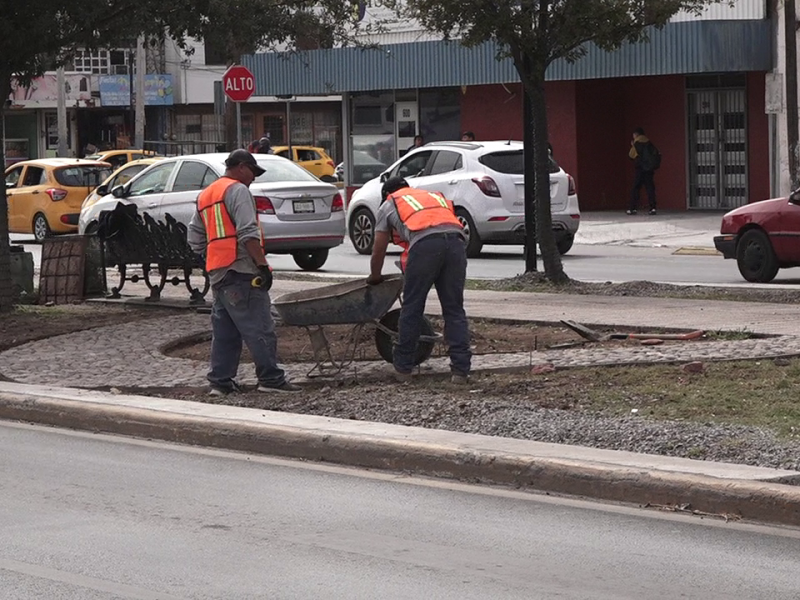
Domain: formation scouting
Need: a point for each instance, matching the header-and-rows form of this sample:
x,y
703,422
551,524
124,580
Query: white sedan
x,y
485,182
299,214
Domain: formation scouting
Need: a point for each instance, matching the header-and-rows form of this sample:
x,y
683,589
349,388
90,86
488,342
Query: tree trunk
x,y
551,258
6,298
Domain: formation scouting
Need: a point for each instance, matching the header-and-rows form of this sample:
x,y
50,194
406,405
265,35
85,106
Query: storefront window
x,y
372,135
440,114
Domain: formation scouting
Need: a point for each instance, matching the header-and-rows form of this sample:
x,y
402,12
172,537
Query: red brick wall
x,y
602,145
758,138
494,112
591,123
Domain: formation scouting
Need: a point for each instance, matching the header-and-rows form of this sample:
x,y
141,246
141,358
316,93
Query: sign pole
x,y
238,124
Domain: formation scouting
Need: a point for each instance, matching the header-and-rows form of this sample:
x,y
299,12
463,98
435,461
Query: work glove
x,y
264,278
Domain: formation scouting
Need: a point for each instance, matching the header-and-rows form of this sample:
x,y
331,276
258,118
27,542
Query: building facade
x,y
699,89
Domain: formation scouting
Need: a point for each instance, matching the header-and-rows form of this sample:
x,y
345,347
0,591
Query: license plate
x,y
304,206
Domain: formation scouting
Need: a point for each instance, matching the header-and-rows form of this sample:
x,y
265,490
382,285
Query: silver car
x,y
299,214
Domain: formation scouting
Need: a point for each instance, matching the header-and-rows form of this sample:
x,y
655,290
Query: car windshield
x,y
511,162
277,171
82,175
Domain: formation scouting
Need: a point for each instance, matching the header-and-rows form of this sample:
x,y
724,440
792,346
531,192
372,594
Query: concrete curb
x,y
467,457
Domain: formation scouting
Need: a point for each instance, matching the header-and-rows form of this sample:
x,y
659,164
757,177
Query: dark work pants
x,y
439,260
646,179
240,313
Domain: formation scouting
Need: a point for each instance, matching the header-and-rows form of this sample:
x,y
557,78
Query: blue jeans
x,y
241,312
439,260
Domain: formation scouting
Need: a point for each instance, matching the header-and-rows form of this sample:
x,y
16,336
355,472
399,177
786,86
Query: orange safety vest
x,y
221,250
420,210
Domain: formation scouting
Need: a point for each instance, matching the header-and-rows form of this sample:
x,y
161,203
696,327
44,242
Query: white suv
x,y
484,180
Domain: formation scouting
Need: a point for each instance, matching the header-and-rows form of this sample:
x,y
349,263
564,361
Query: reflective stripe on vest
x,y
222,247
420,210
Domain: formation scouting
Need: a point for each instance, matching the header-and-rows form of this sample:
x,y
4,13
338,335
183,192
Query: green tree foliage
x,y
37,35
534,33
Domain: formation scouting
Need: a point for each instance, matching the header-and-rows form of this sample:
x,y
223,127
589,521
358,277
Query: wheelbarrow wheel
x,y
385,342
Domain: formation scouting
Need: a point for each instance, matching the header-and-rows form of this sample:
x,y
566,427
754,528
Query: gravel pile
x,y
536,282
479,411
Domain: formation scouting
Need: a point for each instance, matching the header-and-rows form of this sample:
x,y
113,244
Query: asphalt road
x,y
93,517
584,262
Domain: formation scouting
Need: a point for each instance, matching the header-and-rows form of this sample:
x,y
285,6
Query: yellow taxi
x,y
119,177
117,158
314,160
45,195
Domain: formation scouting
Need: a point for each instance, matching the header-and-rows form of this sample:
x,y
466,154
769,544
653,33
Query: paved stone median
x,y
129,355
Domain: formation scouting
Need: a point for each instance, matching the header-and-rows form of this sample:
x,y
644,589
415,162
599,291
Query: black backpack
x,y
651,157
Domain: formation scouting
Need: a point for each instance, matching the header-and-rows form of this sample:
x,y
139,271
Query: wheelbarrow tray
x,y
343,303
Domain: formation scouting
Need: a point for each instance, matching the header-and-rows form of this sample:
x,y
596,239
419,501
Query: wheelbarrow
x,y
355,303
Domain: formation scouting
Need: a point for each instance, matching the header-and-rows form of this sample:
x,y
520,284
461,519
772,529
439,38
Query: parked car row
x,y
299,214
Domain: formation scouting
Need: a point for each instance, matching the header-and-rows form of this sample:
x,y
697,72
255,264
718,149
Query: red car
x,y
763,237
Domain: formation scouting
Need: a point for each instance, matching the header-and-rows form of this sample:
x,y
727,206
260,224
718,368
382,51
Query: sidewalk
x,y
668,229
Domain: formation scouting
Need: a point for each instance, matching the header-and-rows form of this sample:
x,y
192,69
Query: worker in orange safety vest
x,y
435,255
226,229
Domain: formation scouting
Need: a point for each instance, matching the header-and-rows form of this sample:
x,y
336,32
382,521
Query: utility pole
x,y
61,112
790,30
141,67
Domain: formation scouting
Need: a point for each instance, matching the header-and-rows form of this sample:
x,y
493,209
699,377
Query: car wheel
x,y
564,245
385,342
310,260
756,258
328,179
474,243
362,231
40,227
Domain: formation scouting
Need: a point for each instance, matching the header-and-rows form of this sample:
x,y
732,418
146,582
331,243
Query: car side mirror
x,y
101,190
119,192
384,177
794,197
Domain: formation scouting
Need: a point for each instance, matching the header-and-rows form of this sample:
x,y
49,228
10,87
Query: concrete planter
x,y
21,272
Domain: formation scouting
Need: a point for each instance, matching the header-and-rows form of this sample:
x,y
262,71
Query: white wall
x,y
722,11
194,80
406,31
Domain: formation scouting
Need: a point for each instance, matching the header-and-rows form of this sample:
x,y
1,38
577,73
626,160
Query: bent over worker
x,y
436,256
226,229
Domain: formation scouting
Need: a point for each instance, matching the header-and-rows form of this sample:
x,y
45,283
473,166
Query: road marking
x,y
697,251
84,581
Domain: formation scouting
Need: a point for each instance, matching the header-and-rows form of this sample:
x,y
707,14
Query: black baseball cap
x,y
243,157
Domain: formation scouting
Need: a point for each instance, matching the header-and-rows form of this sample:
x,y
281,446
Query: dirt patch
x,y
30,323
488,337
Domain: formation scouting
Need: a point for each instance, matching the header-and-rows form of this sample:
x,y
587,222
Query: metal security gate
x,y
717,149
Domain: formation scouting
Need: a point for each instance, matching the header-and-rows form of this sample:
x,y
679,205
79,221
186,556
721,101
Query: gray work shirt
x,y
242,209
388,219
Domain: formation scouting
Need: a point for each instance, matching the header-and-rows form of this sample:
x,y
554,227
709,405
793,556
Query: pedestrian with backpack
x,y
646,159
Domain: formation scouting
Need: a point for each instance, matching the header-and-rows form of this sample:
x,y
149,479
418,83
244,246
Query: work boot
x,y
284,387
219,391
401,377
459,379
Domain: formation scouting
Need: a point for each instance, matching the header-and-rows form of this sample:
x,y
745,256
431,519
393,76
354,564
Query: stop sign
x,y
238,83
